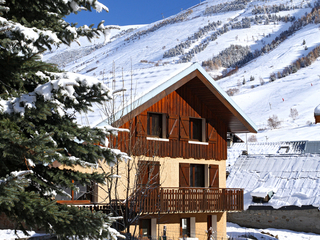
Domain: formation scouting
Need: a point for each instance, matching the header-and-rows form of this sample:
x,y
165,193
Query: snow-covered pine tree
x,y
38,105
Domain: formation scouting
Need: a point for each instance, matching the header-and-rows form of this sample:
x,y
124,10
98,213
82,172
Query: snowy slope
x,y
190,30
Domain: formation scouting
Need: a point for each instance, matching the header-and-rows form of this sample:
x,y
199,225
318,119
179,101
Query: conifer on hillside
x,y
38,107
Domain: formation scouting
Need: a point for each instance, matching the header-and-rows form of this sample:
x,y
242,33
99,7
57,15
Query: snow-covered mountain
x,y
274,43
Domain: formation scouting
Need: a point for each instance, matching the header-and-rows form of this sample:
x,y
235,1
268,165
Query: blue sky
x,y
129,12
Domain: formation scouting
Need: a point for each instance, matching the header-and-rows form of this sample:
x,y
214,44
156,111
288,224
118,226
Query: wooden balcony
x,y
187,200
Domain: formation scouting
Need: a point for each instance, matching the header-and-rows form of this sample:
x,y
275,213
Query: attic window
x,y
156,125
259,197
197,129
283,149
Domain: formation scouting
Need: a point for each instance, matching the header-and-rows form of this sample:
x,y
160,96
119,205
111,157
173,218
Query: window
x,y
196,175
185,227
262,199
145,228
156,125
197,129
86,194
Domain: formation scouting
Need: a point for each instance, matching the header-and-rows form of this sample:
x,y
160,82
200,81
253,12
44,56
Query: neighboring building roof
x,y
293,147
161,81
293,178
312,147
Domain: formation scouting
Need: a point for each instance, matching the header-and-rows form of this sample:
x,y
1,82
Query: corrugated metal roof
x,y
294,178
313,147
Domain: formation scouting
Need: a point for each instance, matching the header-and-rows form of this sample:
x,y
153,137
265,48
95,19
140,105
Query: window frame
x,y
161,126
197,175
201,132
88,196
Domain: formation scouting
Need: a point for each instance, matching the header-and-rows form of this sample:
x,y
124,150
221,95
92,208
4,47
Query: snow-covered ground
x,y
237,232
9,234
233,231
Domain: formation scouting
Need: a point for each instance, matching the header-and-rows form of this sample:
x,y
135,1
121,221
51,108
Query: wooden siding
x,y
178,106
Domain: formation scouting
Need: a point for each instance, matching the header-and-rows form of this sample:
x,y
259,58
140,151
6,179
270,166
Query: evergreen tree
x,y
38,105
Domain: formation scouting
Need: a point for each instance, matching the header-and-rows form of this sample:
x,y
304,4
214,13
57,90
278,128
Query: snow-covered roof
x,y
253,148
317,111
294,179
149,83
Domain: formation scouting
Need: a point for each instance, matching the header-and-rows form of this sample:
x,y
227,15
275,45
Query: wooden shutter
x,y
154,173
212,133
141,125
143,173
148,173
214,176
184,128
184,175
173,127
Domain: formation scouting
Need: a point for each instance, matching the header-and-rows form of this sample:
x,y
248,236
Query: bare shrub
x,y
253,138
232,91
308,123
273,77
293,113
262,82
274,121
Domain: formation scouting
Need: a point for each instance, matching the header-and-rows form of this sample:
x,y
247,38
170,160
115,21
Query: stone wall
x,y
305,219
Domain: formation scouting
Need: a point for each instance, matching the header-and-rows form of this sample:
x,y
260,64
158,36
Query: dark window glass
x,y
195,129
185,227
196,175
145,230
154,125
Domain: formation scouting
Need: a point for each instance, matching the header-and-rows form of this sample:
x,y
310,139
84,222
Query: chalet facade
x,y
178,143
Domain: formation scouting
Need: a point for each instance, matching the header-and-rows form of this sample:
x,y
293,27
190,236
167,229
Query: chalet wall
x,y
172,223
302,220
180,103
169,173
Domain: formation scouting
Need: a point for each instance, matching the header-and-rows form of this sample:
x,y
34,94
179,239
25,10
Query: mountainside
x,y
263,53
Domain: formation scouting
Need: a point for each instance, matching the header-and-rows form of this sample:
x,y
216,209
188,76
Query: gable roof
x,y
165,80
294,179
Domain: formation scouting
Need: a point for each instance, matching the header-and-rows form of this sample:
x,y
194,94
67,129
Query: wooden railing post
x,y
223,199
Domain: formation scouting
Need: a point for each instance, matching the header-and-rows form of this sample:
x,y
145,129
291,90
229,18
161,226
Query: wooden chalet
x,y
178,138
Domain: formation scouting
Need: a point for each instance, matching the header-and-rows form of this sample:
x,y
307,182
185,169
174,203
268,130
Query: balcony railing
x,y
174,200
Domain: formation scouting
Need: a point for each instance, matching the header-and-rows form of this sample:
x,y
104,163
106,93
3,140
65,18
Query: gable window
x,y
197,128
156,125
